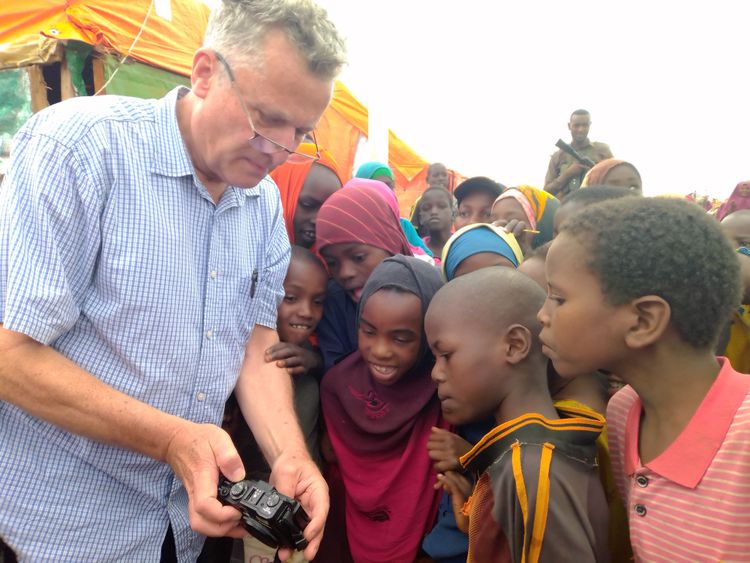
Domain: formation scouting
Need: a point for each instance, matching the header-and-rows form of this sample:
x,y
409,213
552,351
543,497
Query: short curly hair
x,y
665,247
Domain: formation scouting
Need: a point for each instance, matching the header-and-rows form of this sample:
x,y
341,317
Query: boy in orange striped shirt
x,y
642,288
538,496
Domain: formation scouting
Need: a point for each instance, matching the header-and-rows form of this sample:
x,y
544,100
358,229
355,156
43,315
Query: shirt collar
x,y
172,158
688,458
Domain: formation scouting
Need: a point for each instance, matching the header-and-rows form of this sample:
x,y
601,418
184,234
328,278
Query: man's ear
x,y
651,316
205,69
517,342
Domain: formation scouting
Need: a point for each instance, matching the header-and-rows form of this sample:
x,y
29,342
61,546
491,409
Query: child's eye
x,y
446,356
403,340
319,302
367,331
464,214
290,298
359,258
556,300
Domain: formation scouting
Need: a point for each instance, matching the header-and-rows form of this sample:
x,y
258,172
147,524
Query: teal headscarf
x,y
374,169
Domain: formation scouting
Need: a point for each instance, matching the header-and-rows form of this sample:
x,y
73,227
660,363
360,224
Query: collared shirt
x,y
691,502
113,253
560,161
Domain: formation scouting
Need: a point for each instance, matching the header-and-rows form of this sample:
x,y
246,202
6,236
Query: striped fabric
x,y
113,253
360,215
538,496
691,503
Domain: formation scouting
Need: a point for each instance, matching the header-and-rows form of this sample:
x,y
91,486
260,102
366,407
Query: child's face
x,y
581,331
435,211
320,184
468,366
508,209
351,264
390,334
302,307
624,176
737,228
474,208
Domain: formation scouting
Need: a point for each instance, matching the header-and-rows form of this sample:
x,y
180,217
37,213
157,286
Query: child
x,y
513,204
379,405
613,172
356,230
299,314
474,198
303,188
538,496
436,214
641,287
479,246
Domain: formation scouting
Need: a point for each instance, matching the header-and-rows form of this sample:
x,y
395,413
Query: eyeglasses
x,y
258,138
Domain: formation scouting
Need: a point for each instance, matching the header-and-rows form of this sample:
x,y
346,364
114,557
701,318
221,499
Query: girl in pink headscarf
x,y
740,199
390,199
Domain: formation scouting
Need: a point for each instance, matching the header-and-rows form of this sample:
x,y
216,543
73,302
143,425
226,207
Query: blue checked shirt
x,y
113,253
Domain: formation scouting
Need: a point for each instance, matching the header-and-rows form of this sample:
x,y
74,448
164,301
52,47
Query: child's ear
x,y
517,343
651,317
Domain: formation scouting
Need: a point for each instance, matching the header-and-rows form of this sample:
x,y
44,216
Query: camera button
x,y
273,500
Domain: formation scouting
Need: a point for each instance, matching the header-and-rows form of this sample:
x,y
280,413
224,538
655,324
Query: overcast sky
x,y
487,87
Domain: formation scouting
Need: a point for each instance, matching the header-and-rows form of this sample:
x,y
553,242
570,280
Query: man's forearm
x,y
49,386
265,395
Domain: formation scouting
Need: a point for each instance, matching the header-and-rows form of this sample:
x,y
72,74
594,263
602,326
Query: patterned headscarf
x,y
520,197
360,216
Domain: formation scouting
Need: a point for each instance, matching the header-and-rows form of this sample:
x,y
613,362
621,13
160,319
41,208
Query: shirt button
x,y
640,510
213,274
209,334
642,481
200,395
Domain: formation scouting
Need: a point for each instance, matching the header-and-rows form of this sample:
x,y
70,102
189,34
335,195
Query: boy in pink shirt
x,y
642,288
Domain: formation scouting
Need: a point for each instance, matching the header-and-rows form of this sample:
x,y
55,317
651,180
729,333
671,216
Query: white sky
x,y
487,87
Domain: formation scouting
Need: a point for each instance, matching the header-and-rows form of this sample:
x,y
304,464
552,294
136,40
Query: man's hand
x,y
444,448
575,169
459,488
197,453
295,474
295,359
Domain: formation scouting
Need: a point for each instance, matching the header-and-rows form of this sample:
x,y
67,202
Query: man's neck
x,y
582,145
184,112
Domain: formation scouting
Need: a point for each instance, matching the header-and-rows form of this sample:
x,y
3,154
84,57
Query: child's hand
x,y
295,359
444,448
459,488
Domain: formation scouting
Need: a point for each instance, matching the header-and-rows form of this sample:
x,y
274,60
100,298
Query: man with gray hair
x,y
142,255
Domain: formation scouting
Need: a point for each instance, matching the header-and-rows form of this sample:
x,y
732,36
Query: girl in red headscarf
x,y
356,230
304,188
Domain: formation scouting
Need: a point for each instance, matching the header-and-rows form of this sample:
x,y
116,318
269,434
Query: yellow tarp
x,y
30,31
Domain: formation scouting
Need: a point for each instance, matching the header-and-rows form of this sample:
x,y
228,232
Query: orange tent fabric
x,y
110,24
31,31
340,129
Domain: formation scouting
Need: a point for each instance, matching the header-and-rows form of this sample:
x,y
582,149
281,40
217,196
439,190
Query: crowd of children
x,y
509,377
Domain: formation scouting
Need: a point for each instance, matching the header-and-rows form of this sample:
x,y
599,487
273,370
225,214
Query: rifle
x,y
574,183
565,147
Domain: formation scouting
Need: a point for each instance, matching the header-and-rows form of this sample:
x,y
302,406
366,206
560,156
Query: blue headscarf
x,y
476,238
